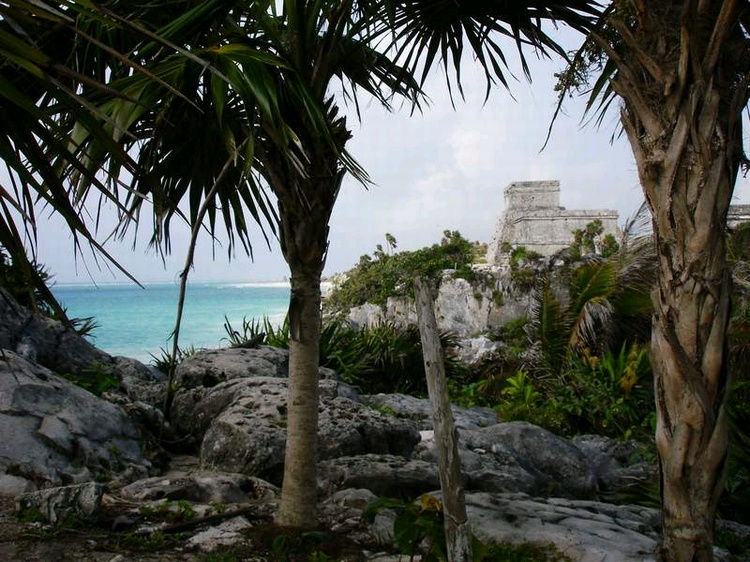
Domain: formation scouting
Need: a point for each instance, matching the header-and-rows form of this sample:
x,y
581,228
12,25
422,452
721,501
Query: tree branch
x,y
628,88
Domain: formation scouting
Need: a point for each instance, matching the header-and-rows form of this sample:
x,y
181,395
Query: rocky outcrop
x,y
585,531
57,433
523,483
418,411
64,504
463,307
201,487
374,441
240,425
63,351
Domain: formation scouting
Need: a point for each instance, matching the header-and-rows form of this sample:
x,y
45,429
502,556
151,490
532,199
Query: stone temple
x,y
534,218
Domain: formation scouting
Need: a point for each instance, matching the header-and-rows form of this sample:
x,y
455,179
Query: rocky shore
x,y
91,480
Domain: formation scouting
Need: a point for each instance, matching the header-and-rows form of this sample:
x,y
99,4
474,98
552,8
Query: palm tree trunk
x,y
299,494
683,79
688,173
689,358
306,199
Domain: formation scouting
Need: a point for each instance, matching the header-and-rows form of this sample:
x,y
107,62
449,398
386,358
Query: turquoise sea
x,y
137,322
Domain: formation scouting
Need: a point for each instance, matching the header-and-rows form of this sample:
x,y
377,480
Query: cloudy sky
x,y
443,169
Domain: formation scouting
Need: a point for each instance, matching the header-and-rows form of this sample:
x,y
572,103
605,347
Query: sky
x,y
444,168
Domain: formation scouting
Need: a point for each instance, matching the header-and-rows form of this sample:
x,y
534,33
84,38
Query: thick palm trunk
x,y
689,359
682,116
689,351
299,493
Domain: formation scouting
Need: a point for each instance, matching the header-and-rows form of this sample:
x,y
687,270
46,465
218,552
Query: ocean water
x,y
137,322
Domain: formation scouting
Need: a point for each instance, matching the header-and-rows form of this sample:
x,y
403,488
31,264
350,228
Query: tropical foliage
x,y
383,275
28,293
381,358
53,55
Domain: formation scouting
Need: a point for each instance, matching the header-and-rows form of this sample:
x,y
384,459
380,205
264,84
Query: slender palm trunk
x,y
303,241
299,493
305,205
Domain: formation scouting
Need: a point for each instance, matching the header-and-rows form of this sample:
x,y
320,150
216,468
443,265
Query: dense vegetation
x,y
578,364
386,274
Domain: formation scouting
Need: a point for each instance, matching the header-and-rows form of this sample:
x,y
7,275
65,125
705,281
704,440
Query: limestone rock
x,y
209,367
586,531
56,433
63,351
346,428
558,464
225,534
365,316
79,502
497,470
384,475
617,465
418,410
473,350
462,307
245,426
139,382
201,487
241,441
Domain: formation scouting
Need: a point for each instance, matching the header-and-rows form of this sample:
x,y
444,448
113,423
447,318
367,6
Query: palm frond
x,y
440,29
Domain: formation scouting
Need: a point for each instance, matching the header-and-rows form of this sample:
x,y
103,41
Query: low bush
x,y
382,358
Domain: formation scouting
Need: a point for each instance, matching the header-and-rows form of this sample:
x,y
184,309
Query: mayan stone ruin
x,y
534,218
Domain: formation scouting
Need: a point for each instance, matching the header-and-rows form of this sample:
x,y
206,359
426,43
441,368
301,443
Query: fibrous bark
x,y
682,72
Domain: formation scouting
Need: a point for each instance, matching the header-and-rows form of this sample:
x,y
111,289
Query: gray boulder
x,y
56,433
496,470
586,531
618,465
473,350
384,475
561,469
243,422
418,410
72,504
43,340
209,367
367,315
62,350
347,428
201,487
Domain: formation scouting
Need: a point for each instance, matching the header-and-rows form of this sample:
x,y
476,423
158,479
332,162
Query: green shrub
x,y
376,278
96,378
382,358
164,361
608,395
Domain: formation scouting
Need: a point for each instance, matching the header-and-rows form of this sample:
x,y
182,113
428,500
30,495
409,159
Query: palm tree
x,y
606,304
265,125
37,84
680,69
299,152
54,55
322,41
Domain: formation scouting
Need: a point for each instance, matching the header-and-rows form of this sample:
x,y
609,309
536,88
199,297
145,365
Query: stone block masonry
x,y
534,218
